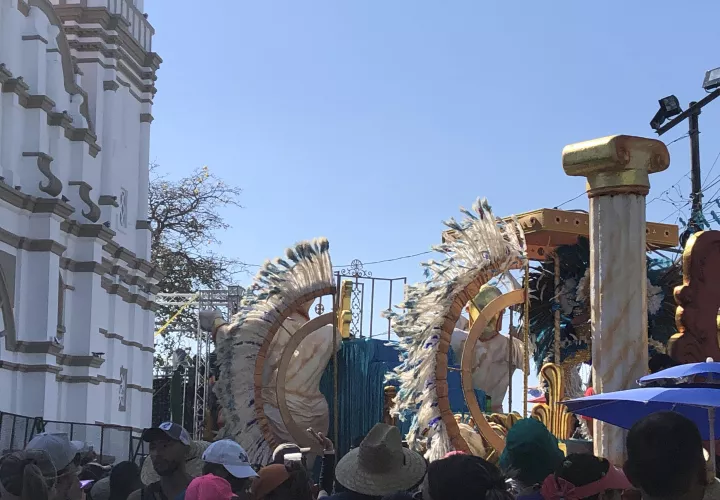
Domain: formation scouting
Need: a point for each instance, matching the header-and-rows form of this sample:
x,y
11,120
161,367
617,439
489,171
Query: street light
x,y
712,79
669,107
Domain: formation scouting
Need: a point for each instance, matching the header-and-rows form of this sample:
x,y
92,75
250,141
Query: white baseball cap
x,y
58,446
278,456
230,455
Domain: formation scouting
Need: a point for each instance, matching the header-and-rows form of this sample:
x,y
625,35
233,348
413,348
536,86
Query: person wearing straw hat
x,y
380,465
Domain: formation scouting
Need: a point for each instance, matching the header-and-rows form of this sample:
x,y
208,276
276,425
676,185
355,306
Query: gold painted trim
x,y
618,164
493,309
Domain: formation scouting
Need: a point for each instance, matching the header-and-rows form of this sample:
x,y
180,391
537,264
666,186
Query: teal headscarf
x,y
531,452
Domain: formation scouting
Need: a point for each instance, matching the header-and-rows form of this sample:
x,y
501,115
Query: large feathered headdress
x,y
279,289
482,247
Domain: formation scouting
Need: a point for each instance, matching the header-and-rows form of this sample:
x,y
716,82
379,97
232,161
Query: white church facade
x,y
77,290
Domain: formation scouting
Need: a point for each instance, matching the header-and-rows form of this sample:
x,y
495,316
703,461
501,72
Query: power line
x,y
394,259
570,200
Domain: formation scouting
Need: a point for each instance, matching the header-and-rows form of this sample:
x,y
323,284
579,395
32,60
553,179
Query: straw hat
x,y
193,463
381,465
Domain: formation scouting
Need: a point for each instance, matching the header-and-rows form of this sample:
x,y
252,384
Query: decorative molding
x,y
74,360
146,118
54,185
127,296
143,224
33,204
56,119
31,245
80,230
68,66
108,200
83,266
27,38
111,247
79,15
110,85
19,367
125,342
93,214
38,347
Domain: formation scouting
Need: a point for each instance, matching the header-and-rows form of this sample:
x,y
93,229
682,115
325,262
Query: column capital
x,y
617,164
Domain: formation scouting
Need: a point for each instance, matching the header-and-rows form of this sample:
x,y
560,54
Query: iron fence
x,y
112,443
369,297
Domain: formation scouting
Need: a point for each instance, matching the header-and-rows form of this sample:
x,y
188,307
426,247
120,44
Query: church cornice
x,y
79,16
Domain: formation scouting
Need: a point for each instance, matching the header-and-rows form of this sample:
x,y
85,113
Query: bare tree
x,y
185,219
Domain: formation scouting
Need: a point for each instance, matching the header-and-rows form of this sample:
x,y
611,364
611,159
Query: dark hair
x,y
660,361
581,469
664,455
466,476
398,496
124,479
28,474
236,484
297,486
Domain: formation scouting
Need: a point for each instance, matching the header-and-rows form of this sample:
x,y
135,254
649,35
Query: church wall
x,y
78,300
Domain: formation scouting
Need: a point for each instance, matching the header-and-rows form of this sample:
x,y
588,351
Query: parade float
x,y
572,287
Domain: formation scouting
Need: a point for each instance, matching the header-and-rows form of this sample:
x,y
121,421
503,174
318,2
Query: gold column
x,y
617,169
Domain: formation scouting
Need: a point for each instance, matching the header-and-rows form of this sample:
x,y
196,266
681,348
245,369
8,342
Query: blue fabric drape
x,y
362,366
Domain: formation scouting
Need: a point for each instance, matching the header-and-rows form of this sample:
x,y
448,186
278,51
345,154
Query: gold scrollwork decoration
x,y
553,415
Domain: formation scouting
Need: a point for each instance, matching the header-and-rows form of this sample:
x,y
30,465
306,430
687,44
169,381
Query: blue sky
x,y
370,122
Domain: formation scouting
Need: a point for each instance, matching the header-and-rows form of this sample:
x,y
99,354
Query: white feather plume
x,y
482,243
306,269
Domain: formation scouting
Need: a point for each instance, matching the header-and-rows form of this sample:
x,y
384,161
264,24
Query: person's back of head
x,y
531,452
464,476
398,496
665,457
28,475
124,479
588,476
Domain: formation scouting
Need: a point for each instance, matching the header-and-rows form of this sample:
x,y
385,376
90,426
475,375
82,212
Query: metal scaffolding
x,y
227,301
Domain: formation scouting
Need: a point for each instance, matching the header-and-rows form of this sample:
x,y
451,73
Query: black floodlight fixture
x,y
712,79
669,107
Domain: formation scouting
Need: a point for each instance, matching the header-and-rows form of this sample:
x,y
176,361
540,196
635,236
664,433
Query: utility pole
x,y
691,113
696,181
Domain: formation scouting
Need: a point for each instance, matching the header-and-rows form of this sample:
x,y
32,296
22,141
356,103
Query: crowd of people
x,y
665,460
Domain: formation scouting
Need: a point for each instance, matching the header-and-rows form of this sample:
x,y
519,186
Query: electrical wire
x,y
383,261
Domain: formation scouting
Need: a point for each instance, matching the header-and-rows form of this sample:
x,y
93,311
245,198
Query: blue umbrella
x,y
624,408
685,373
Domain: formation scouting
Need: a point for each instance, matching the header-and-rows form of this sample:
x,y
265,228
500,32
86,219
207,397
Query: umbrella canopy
x,y
685,373
624,408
